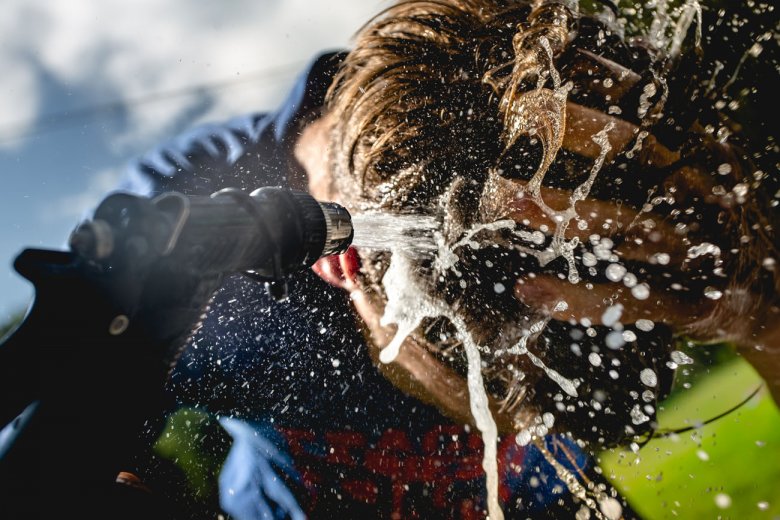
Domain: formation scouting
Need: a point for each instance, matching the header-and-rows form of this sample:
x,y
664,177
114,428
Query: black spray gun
x,y
267,234
83,376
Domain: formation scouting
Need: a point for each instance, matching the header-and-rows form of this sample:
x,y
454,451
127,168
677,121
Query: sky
x,y
88,85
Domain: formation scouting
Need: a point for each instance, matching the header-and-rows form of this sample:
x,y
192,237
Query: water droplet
x,y
755,50
722,500
612,314
638,416
703,455
648,377
645,325
594,359
681,358
724,169
629,280
629,335
705,248
763,506
660,259
523,438
712,293
611,508
641,291
603,250
615,272
583,513
614,340
335,362
589,259
608,82
499,288
741,189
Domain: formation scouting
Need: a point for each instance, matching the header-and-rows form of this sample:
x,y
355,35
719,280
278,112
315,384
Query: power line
x,y
68,118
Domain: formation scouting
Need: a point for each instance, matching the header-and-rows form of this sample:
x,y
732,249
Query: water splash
x,y
482,417
690,10
571,481
540,114
669,25
408,304
521,349
560,246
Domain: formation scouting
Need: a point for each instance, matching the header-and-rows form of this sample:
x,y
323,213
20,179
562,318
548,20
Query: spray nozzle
x,y
267,234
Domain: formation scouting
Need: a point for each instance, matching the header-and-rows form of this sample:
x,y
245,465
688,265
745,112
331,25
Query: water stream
x,y
412,234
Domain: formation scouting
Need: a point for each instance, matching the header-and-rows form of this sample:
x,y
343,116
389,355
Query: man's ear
x,y
339,270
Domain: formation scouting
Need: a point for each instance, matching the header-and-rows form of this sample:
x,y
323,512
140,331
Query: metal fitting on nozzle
x,y
338,228
326,226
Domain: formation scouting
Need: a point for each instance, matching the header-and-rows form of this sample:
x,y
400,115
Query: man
x,y
621,222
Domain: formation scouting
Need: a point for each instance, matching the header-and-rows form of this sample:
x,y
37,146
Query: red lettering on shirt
x,y
446,455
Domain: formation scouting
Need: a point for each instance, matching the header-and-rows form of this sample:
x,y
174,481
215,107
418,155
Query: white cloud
x,y
128,50
18,101
75,206
19,87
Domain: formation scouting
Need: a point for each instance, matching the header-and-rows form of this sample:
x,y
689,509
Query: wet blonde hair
x,y
411,94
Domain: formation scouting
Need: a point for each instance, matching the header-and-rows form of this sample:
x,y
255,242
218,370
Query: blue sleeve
x,y
246,152
250,483
239,154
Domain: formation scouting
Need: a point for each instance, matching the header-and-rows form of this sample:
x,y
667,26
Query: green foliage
x,y
707,359
734,459
195,442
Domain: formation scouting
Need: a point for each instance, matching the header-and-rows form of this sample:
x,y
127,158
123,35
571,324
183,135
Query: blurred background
x,y
86,86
